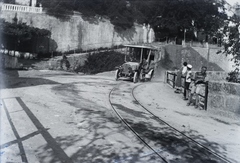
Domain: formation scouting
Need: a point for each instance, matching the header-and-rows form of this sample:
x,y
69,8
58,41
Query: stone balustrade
x,y
20,8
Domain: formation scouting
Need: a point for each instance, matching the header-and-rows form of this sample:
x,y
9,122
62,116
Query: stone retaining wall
x,y
224,99
78,33
216,75
9,62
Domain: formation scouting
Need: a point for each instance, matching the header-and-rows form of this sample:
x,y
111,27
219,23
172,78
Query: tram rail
x,y
142,139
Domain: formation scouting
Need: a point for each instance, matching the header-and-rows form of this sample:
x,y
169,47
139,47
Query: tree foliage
x,y
231,41
117,11
12,34
8,1
101,62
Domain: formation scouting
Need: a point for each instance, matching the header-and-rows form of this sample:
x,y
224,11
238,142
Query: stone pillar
x,y
148,32
151,36
144,34
34,3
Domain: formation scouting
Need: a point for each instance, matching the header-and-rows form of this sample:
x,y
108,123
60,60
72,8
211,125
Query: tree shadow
x,y
92,19
193,148
127,35
124,34
178,145
99,136
11,79
92,144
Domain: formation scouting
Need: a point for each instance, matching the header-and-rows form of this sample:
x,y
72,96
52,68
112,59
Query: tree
x,y
8,1
194,15
14,34
231,41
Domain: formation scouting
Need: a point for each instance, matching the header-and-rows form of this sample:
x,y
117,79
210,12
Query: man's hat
x,y
189,66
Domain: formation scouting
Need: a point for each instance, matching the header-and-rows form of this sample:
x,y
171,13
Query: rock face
x,y
224,98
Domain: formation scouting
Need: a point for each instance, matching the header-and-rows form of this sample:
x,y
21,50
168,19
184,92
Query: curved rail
x,y
131,129
212,152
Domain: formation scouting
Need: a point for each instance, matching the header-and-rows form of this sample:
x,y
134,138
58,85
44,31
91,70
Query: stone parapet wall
x,y
216,75
9,62
224,99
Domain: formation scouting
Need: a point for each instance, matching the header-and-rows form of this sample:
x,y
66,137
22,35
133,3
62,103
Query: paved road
x,y
51,116
61,117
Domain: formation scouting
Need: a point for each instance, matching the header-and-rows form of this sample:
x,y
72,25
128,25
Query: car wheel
x,y
117,74
135,77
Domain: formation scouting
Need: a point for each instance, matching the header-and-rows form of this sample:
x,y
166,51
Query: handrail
x,y
171,82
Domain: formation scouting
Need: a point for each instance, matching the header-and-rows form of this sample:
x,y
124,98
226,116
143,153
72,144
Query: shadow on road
x,y
100,136
11,79
174,142
93,143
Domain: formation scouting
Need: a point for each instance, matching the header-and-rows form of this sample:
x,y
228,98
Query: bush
x,y
101,62
234,76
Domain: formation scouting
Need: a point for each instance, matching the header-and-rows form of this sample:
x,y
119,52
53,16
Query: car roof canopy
x,y
141,46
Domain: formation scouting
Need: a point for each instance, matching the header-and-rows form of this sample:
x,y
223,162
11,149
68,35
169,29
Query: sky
x,y
232,2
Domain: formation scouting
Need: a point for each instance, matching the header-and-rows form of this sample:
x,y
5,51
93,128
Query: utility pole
x,y
184,37
208,54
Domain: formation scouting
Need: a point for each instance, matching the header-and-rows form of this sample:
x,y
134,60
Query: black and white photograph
x,y
119,81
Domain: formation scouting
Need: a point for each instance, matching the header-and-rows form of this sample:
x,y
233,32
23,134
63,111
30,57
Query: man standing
x,y
181,73
188,81
198,84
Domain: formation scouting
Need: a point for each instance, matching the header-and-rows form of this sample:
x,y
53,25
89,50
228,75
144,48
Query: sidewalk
x,y
210,130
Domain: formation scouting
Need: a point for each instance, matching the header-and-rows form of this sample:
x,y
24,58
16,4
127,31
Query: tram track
x,y
208,154
132,130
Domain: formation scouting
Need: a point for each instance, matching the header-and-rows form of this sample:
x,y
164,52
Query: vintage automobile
x,y
140,63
